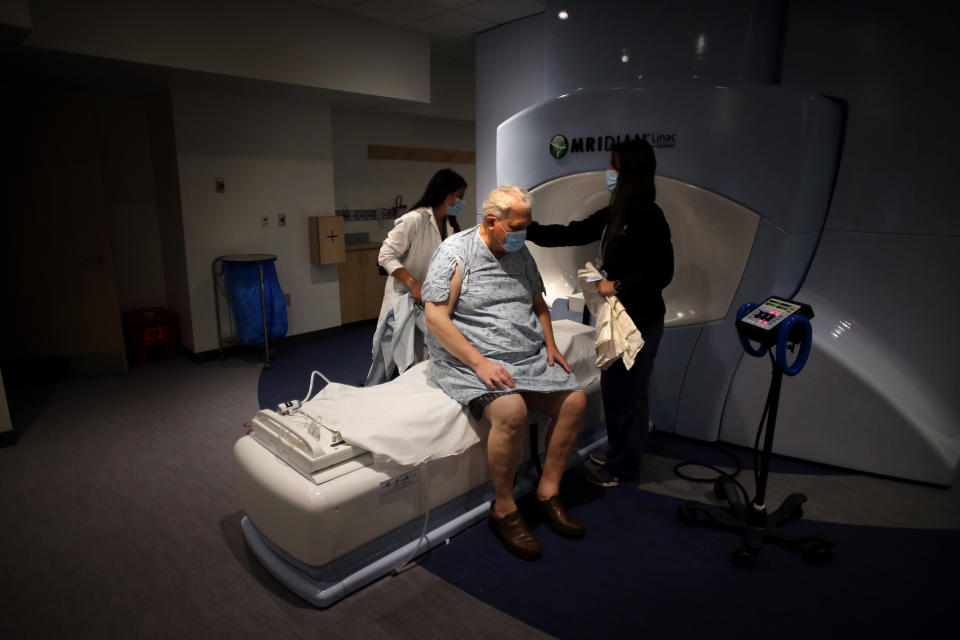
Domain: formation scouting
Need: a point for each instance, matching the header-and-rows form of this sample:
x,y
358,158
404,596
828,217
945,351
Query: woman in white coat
x,y
405,255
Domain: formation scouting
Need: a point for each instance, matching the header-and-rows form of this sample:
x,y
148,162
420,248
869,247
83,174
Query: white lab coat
x,y
410,244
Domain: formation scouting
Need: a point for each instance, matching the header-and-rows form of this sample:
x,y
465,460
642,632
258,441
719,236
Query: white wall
x,y
131,200
362,183
519,47
274,157
452,91
294,43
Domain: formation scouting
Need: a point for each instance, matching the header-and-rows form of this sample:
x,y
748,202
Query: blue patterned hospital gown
x,y
495,314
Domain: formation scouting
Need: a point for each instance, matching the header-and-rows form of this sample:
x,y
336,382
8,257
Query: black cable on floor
x,y
720,472
736,460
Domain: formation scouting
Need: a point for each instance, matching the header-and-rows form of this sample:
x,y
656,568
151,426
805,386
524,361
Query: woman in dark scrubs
x,y
637,258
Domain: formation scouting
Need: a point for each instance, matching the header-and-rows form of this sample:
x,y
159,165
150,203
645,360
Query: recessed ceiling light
x,y
563,15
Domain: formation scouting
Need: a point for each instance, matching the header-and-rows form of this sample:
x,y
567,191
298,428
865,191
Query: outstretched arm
x,y
576,233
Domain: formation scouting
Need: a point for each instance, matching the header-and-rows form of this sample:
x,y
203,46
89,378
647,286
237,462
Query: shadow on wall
x,y
323,274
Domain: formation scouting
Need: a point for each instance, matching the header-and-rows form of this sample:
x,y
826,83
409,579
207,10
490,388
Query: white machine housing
x,y
730,100
745,176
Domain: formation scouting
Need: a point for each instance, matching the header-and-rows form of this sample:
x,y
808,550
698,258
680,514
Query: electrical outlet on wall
x,y
286,298
265,222
282,219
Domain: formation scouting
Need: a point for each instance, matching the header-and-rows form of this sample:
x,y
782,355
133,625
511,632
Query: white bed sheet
x,y
410,420
405,422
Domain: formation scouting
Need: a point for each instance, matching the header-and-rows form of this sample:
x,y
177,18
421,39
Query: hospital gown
x,y
495,314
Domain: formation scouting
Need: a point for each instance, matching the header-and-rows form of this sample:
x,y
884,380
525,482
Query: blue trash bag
x,y
243,291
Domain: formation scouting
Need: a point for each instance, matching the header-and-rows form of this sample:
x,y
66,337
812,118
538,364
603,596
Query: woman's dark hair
x,y
442,184
635,187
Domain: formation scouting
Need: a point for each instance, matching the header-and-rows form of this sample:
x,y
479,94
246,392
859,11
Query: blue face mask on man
x,y
455,208
611,177
515,239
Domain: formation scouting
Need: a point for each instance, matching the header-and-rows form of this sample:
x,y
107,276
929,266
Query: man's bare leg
x,y
508,422
565,409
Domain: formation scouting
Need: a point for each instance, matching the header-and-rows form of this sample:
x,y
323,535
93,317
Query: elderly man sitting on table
x,y
492,346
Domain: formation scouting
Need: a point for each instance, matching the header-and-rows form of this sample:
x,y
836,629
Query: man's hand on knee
x,y
494,375
554,356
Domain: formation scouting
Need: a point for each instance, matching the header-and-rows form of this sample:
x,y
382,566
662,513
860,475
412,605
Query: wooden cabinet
x,y
326,239
361,285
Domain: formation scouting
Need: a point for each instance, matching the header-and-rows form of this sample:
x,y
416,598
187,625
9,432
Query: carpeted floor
x,y
641,573
647,569
118,518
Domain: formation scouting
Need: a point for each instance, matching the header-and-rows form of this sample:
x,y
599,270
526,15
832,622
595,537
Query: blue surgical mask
x,y
611,177
455,208
515,239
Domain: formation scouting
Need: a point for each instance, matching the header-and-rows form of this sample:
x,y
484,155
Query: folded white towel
x,y
617,336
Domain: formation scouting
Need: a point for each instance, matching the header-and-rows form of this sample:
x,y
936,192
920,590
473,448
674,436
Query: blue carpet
x,y
640,573
342,354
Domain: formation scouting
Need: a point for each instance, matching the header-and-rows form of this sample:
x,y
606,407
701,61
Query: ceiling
x,y
450,23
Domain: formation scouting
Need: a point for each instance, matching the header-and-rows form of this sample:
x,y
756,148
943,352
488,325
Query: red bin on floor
x,y
148,328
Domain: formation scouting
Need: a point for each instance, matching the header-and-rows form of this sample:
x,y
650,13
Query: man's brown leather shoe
x,y
559,519
516,537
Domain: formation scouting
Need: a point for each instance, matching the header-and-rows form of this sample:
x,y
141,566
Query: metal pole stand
x,y
216,304
754,521
263,308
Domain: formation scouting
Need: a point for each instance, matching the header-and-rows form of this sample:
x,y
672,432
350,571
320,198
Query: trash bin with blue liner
x,y
256,300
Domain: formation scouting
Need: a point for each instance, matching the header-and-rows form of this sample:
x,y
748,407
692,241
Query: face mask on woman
x,y
455,208
611,177
515,239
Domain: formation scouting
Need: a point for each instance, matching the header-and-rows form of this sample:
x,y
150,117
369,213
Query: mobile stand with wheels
x,y
778,325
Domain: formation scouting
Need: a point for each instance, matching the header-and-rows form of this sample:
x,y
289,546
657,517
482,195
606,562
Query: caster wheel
x,y
743,558
686,515
818,553
719,491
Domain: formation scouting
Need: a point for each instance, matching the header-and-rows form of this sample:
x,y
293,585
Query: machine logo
x,y
558,146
